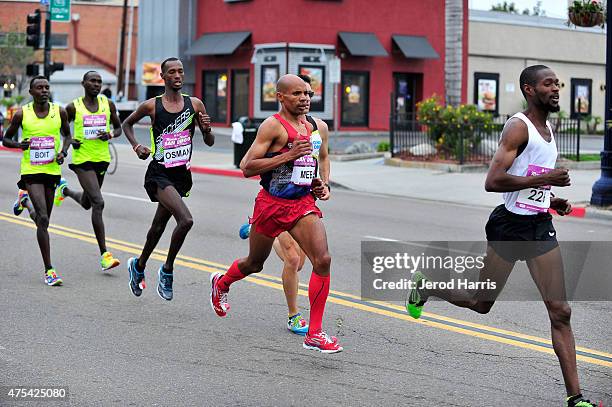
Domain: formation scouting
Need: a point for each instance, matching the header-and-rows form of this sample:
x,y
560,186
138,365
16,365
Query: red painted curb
x,y
221,172
10,150
578,212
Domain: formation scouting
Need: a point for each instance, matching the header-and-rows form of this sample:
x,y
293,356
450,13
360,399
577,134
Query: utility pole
x,y
120,79
47,64
602,189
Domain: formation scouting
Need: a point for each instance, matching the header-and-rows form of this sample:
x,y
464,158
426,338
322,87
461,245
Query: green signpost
x,y
60,10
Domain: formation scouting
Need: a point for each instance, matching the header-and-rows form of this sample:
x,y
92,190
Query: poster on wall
x,y
581,96
486,92
151,74
269,77
353,94
317,83
487,98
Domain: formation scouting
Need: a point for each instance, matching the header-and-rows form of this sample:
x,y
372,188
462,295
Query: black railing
x,y
411,140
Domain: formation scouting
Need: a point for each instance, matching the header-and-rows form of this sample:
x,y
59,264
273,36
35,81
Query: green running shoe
x,y
415,299
59,192
578,401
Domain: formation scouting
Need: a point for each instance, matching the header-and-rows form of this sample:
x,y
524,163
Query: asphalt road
x,y
111,348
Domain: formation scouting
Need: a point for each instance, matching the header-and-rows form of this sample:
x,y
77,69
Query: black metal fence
x,y
411,140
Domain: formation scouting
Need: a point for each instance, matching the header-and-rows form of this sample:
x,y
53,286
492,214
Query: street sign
x,y
60,10
334,70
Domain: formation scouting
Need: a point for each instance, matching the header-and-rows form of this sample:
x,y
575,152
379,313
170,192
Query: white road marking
x,y
132,198
384,239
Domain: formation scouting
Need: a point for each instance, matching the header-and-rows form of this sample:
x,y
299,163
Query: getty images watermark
x,y
388,268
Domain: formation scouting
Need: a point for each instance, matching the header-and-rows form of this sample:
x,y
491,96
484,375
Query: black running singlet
x,y
172,134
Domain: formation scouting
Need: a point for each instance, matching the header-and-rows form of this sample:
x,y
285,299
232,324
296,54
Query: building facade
x,y
366,59
577,55
91,38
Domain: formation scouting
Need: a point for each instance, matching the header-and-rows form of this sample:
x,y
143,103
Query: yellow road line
x,y
348,300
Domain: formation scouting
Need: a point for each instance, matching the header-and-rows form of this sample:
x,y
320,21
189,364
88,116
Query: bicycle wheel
x,y
112,167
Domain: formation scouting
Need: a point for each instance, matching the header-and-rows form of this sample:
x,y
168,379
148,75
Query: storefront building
x,y
577,55
390,56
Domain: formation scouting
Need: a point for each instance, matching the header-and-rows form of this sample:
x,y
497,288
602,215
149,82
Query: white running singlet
x,y
538,157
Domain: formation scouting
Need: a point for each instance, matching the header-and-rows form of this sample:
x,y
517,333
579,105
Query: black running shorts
x,y
159,176
520,237
49,181
99,167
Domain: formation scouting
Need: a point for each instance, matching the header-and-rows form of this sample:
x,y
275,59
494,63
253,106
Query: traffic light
x,y
33,30
32,70
55,66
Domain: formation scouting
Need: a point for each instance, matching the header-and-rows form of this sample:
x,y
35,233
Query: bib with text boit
x,y
177,148
92,125
535,199
42,150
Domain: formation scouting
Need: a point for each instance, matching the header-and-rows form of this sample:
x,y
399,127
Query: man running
x,y
284,245
41,123
168,178
523,169
92,115
285,158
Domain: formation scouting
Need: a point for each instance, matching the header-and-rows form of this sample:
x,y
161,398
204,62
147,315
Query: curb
x,y
222,172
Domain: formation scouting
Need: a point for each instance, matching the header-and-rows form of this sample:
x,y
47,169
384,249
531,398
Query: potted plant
x,y
587,13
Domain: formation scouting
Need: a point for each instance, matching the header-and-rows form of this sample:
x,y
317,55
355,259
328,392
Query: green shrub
x,y
447,124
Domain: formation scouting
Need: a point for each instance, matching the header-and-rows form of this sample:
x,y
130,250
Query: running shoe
x,y
218,298
578,401
164,284
415,299
137,279
322,342
51,278
245,231
18,206
297,324
107,261
59,192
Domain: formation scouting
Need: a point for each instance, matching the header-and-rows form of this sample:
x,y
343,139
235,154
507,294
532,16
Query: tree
x,y
14,56
505,7
453,63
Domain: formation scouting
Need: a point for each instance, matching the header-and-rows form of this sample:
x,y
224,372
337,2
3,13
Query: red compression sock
x,y
232,275
318,290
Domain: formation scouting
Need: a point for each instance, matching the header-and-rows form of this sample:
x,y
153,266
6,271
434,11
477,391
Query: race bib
x,y
304,171
42,150
534,199
177,148
92,124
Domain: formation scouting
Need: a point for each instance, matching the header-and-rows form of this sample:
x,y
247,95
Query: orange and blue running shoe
x,y
18,206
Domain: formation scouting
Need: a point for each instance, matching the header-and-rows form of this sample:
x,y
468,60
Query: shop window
x,y
215,95
486,92
581,97
355,98
269,77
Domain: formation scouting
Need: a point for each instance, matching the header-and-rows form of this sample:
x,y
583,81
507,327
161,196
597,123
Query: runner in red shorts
x,y
286,159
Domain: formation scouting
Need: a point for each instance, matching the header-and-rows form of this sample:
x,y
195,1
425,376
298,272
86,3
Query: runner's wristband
x,y
136,147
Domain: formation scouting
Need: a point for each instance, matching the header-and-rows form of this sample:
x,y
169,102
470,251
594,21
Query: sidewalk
x,y
372,176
